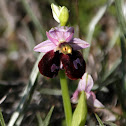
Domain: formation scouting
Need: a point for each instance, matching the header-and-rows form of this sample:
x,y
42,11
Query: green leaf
x,y
1,119
80,113
120,15
48,91
40,121
109,72
99,120
35,21
110,123
92,25
26,93
47,119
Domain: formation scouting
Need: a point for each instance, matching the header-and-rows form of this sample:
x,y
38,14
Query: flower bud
x,y
55,12
64,15
60,14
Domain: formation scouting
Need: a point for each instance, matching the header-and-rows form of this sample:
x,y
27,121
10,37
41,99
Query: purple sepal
x,y
45,46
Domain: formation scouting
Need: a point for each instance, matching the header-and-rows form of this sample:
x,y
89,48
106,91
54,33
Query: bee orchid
x,y
61,53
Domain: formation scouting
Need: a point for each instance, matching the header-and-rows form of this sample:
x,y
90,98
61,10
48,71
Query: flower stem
x,y
66,98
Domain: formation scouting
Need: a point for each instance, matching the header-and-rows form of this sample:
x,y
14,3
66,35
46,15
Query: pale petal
x,y
68,39
92,101
56,36
69,29
78,44
61,34
62,29
74,98
86,83
98,104
69,34
45,46
89,83
53,39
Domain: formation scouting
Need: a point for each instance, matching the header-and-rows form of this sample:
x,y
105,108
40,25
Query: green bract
x,y
80,113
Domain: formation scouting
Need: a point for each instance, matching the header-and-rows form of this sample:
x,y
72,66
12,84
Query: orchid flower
x,y
86,84
61,53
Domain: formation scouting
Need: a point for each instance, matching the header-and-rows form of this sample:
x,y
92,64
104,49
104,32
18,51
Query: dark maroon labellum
x,y
74,65
49,64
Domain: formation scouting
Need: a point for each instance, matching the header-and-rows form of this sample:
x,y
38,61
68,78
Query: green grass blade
x,y
109,72
47,119
2,119
110,123
120,16
33,17
26,92
99,120
123,74
40,121
48,91
113,40
123,51
122,23
29,38
93,24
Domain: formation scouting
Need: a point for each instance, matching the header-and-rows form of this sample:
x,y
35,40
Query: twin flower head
x,y
61,52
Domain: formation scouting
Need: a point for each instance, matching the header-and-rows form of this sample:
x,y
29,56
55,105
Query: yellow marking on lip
x,y
66,49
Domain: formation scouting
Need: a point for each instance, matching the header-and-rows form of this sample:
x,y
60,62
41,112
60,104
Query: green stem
x,y
66,98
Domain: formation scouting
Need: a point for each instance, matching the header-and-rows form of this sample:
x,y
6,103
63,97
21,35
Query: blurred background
x,y
23,24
